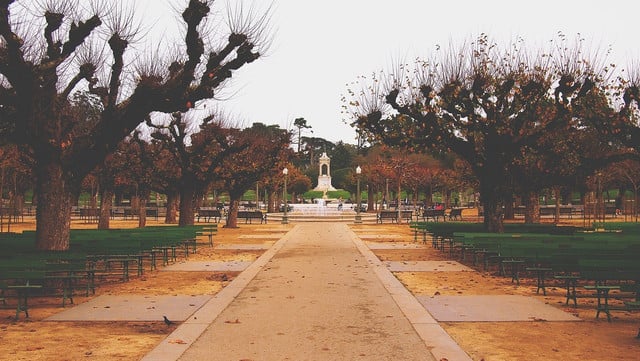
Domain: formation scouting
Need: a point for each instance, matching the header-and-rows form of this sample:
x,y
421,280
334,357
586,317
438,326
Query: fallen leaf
x,y
178,341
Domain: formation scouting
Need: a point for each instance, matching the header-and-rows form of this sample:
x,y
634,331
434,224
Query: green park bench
x,y
208,231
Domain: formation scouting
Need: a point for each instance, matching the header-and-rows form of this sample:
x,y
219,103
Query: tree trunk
x,y
172,208
135,204
370,198
531,202
19,203
271,201
447,198
232,216
53,213
106,200
493,217
142,212
428,196
509,211
93,199
187,214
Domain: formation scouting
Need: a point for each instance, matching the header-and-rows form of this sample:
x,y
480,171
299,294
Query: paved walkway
x,y
317,294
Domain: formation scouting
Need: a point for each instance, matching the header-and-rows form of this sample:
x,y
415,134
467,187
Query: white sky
x,y
320,46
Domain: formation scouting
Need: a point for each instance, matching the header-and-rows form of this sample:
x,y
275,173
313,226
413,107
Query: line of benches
x,y
424,215
96,256
216,215
565,254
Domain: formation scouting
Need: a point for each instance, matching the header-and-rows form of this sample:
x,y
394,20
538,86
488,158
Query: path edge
x,y
179,341
437,340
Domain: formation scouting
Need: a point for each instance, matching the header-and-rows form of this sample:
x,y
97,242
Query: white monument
x,y
324,174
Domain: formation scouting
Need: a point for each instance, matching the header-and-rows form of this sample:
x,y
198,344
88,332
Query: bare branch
x,y
121,20
252,22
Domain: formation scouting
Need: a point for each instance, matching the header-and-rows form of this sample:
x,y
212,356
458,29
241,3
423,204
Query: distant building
x,y
324,174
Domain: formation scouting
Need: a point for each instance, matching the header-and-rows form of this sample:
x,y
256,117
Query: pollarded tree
x,y
196,154
51,48
266,148
484,104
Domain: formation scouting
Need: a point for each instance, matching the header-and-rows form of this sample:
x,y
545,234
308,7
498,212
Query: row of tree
x,y
521,121
51,49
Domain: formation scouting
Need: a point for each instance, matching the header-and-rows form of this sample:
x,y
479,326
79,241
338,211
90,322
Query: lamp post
x,y
358,218
285,220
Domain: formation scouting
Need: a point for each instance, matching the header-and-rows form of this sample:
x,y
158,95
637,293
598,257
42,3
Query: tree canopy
x,y
50,49
493,107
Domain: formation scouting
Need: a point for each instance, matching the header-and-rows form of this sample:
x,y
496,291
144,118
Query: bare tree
x,y
489,105
44,58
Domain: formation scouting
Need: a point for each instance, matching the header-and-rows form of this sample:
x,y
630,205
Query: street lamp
x,y
358,218
285,220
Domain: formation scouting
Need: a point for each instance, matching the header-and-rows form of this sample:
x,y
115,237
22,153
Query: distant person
x,y
618,202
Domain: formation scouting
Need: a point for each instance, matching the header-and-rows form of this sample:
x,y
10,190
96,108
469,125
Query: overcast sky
x,y
320,46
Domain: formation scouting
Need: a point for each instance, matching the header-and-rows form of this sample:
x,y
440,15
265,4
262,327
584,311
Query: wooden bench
x,y
53,277
382,215
209,231
208,214
114,265
393,216
67,275
433,214
250,215
541,274
602,292
455,213
419,227
570,283
21,283
603,295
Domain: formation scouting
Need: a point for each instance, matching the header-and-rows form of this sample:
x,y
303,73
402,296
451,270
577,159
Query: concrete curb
x,y
176,343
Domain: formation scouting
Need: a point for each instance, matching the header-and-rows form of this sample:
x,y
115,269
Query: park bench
x,y
110,266
603,294
382,215
250,215
393,216
209,231
455,213
89,215
152,213
419,228
53,274
208,215
20,284
68,274
433,214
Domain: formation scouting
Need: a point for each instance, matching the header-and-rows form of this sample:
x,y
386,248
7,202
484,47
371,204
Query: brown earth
x,y
37,340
